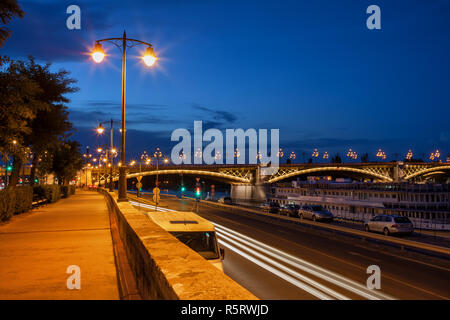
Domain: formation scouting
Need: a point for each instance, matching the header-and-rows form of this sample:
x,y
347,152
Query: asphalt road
x,y
294,262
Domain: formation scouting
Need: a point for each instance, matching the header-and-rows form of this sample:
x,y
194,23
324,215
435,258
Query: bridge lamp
x,y
149,57
280,153
409,155
98,54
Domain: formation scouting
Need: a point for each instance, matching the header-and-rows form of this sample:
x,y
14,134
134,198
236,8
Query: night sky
x,y
310,68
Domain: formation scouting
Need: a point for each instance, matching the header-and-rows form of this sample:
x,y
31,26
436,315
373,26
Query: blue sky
x,y
310,68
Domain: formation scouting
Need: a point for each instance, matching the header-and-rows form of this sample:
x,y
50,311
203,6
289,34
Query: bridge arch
x,y
443,169
220,175
334,168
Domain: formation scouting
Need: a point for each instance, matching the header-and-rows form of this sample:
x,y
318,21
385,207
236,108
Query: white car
x,y
389,224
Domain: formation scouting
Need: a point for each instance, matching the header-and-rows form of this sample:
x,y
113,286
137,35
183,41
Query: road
x,y
294,262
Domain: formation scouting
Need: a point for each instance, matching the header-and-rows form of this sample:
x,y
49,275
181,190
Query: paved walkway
x,y
37,248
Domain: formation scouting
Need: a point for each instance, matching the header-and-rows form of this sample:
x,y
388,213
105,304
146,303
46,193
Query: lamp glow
x,y
149,57
98,54
100,129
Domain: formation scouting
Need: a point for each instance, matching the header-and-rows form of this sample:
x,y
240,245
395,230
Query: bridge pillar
x,y
397,173
253,193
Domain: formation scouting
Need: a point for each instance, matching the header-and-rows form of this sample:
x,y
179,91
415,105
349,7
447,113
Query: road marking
x,y
362,256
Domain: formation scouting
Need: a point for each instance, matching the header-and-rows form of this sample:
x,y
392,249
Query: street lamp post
x,y
149,59
157,155
138,189
100,130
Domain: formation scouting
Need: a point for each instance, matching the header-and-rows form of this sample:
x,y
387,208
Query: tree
x,y
47,121
336,159
51,123
18,107
67,160
8,10
365,157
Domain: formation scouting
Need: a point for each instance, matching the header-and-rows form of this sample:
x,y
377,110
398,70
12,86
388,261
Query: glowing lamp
x,y
149,57
98,54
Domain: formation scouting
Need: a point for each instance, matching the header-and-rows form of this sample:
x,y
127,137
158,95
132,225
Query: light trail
x,y
261,254
248,244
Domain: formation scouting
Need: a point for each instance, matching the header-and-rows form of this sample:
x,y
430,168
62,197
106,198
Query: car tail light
x,y
395,226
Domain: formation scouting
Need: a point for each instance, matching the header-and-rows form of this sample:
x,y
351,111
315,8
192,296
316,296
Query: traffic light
x,y
9,168
197,192
36,180
183,188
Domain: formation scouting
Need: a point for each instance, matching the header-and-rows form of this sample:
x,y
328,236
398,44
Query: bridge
x,y
248,181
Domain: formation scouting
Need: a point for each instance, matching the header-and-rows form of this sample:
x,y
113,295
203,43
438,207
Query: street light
x,y
292,156
149,58
100,129
157,155
381,154
113,151
409,155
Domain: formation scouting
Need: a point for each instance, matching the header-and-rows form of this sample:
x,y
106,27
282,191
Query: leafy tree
x,y
18,107
46,120
8,10
67,160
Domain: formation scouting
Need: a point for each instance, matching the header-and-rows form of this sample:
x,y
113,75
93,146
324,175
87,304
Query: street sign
x,y
156,191
138,185
156,198
139,178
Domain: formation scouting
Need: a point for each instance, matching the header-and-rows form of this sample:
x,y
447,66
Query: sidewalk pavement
x,y
37,248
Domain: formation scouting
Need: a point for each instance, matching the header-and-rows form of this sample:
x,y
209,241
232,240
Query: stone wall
x,y
165,268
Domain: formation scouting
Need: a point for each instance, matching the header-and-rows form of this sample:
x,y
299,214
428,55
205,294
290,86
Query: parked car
x,y
315,213
290,210
274,207
389,224
226,200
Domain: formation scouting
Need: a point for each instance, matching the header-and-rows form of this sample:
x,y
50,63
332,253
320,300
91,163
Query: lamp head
x,y
100,129
149,57
98,54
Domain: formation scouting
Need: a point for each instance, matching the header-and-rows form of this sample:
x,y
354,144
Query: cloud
x,y
218,115
115,104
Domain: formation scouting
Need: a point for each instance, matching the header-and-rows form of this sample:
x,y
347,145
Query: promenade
x,y
36,249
